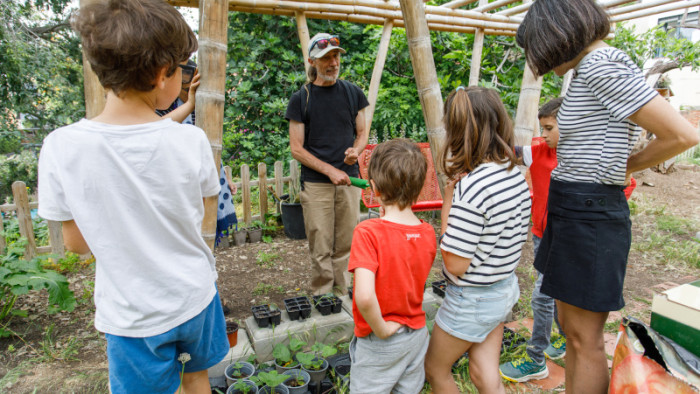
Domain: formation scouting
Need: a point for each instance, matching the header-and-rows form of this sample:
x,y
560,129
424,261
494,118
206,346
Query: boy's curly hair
x,y
128,41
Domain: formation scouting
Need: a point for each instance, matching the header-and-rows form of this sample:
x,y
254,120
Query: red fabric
x,y
629,189
400,257
544,159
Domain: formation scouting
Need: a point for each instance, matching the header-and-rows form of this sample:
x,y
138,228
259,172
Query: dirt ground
x,y
63,352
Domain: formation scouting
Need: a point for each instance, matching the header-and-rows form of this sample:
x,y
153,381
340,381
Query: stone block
x,y
431,303
329,329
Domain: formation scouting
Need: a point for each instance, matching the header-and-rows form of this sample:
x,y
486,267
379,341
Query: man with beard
x,y
327,133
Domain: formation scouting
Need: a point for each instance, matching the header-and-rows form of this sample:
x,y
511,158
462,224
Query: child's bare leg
x,y
586,364
195,383
443,351
484,358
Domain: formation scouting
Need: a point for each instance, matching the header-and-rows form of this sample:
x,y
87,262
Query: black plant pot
x,y
294,312
261,313
305,311
350,292
275,317
439,288
336,305
325,307
293,220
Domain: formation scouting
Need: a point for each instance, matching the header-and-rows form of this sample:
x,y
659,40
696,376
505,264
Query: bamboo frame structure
x,y
497,17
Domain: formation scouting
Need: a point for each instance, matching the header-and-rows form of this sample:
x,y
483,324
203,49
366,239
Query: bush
x,y
10,141
17,167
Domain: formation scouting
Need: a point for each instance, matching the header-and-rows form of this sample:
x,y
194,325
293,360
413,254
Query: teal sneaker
x,y
523,369
556,349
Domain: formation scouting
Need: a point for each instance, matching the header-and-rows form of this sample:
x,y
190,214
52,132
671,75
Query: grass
x,y
50,350
264,259
264,289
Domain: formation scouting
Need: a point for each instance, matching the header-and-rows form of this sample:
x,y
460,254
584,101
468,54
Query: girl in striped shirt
x,y
583,254
485,218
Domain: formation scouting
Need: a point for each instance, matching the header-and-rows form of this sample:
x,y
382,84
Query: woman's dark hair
x,y
556,31
128,41
398,169
478,131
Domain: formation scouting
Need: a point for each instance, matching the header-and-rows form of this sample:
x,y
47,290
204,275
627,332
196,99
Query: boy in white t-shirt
x,y
129,186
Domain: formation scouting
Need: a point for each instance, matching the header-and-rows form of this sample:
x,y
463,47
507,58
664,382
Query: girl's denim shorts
x,y
470,313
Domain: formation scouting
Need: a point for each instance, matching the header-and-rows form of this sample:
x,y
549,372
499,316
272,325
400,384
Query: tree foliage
x,y
41,73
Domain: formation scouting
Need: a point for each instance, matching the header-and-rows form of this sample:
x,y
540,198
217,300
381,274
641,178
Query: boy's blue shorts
x,y
150,365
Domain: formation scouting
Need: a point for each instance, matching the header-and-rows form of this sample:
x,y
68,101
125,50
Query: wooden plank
x,y
56,238
303,33
475,67
24,218
262,180
245,193
294,185
279,183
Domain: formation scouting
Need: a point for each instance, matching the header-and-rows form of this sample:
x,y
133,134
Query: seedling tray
x,y
298,308
439,287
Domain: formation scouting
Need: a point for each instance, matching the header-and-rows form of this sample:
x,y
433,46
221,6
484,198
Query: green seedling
x,y
242,386
270,379
285,354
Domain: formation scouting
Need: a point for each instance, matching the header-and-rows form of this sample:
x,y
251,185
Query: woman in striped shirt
x,y
584,249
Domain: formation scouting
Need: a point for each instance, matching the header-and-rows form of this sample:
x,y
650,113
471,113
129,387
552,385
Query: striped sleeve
x,y
465,225
618,85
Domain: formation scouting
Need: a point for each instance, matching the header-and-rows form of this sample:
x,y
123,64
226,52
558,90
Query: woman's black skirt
x,y
584,249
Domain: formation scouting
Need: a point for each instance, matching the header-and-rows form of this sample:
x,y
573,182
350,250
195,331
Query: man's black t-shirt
x,y
329,132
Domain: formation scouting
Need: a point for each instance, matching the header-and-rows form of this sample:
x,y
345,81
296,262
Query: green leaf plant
x,y
18,276
285,354
270,379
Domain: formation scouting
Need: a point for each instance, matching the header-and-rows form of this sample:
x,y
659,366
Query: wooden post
x,y
245,193
377,71
303,33
262,188
418,37
293,176
94,93
279,186
213,37
24,218
566,82
476,52
56,238
3,243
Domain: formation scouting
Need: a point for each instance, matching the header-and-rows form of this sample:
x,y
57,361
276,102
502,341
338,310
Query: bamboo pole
x,y
492,6
24,218
515,10
377,71
655,11
637,7
566,82
526,113
303,33
457,3
419,45
94,93
476,53
213,38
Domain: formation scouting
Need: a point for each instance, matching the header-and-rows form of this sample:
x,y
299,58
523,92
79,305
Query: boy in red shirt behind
x,y
391,258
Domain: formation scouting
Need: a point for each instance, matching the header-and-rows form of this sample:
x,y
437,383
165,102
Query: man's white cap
x,y
315,52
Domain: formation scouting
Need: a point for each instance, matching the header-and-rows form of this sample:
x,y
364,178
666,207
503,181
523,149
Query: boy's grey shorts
x,y
392,365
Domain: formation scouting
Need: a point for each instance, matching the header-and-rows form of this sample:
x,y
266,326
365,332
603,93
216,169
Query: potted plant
x,y
315,362
255,231
243,386
272,382
285,354
292,213
232,333
297,382
238,371
240,237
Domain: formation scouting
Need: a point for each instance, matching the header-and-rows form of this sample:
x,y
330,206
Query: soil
x,y
64,352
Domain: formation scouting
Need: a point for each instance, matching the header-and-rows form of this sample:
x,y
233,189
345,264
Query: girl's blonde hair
x,y
478,129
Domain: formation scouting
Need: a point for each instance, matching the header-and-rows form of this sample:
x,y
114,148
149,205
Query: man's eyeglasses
x,y
322,43
187,73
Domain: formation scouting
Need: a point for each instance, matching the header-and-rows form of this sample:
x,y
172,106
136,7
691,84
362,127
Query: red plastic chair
x,y
430,198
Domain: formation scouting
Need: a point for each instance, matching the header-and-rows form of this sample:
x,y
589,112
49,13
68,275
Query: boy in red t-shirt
x,y
391,258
